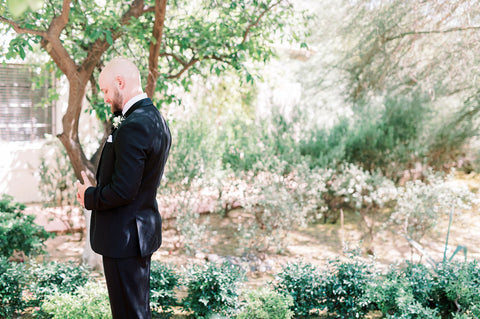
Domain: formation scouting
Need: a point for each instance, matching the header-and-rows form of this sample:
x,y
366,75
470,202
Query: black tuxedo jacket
x,y
125,219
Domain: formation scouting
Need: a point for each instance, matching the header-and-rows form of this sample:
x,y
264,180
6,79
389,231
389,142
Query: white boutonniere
x,y
117,120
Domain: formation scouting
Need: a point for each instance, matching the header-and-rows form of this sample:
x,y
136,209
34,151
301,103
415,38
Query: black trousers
x,y
128,283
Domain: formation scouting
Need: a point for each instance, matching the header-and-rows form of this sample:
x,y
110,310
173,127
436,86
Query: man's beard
x,y
117,101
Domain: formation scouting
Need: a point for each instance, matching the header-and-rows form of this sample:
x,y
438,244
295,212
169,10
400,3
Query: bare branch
x,y
185,68
189,64
18,29
177,58
409,33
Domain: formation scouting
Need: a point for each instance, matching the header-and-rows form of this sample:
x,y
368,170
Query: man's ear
x,y
120,82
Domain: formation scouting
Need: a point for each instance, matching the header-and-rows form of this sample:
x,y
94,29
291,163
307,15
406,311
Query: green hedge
x,y
347,288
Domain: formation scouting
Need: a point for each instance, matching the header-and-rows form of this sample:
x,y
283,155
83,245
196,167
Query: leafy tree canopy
x,y
170,42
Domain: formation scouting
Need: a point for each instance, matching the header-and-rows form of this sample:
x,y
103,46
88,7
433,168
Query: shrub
x,y
404,292
450,290
194,149
345,287
324,148
446,142
266,304
18,232
7,205
212,289
46,279
351,187
307,186
163,281
456,288
184,201
89,302
420,204
386,136
11,286
302,282
274,212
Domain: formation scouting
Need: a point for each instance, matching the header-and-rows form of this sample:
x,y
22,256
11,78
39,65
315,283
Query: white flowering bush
x,y
232,191
419,204
273,210
351,187
309,186
354,189
183,206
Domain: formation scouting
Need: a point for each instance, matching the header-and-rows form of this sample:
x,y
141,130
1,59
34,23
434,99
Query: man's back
x,y
125,219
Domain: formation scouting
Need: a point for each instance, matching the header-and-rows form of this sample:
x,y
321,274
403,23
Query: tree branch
x,y
185,68
187,65
220,58
18,29
148,9
405,34
53,45
180,61
255,24
101,45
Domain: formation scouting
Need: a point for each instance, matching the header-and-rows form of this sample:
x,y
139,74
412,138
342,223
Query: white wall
x,y
20,161
18,165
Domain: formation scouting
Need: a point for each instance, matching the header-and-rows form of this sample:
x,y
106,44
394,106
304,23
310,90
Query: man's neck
x,y
132,101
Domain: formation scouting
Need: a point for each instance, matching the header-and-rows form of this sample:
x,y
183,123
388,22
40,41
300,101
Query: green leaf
x,y
21,51
108,37
249,78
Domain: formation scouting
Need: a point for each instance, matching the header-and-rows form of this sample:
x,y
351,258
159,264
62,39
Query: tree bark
x,y
160,11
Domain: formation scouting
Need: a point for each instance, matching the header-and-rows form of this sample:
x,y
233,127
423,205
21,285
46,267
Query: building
x,y
26,119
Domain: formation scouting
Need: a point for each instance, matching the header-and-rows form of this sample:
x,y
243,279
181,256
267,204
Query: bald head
x,y
119,82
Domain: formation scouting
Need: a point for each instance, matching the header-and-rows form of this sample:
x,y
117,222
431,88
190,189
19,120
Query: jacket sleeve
x,y
131,147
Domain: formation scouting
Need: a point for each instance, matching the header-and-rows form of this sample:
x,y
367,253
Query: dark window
x,y
23,115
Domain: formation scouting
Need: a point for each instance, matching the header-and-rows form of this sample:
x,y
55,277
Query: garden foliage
x,y
302,282
12,283
212,289
344,287
164,280
18,232
451,290
265,303
420,204
48,278
88,302
348,288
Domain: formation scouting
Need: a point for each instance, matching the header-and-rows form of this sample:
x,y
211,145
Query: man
x,y
125,223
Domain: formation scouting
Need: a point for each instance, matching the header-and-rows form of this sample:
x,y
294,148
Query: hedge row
x,y
349,288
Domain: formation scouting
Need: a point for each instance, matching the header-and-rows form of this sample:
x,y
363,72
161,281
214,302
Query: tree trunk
x,y
69,137
160,11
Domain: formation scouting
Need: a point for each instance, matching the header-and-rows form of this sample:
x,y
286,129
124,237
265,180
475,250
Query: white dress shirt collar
x,y
132,101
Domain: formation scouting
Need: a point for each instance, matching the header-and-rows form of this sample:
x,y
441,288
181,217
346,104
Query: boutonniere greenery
x,y
117,120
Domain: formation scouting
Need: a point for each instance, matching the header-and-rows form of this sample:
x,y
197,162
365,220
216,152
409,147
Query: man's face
x,y
111,95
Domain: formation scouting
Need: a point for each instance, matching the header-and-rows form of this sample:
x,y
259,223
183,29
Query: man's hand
x,y
82,187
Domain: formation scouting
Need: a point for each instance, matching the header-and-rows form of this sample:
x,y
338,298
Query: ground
x,y
316,244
